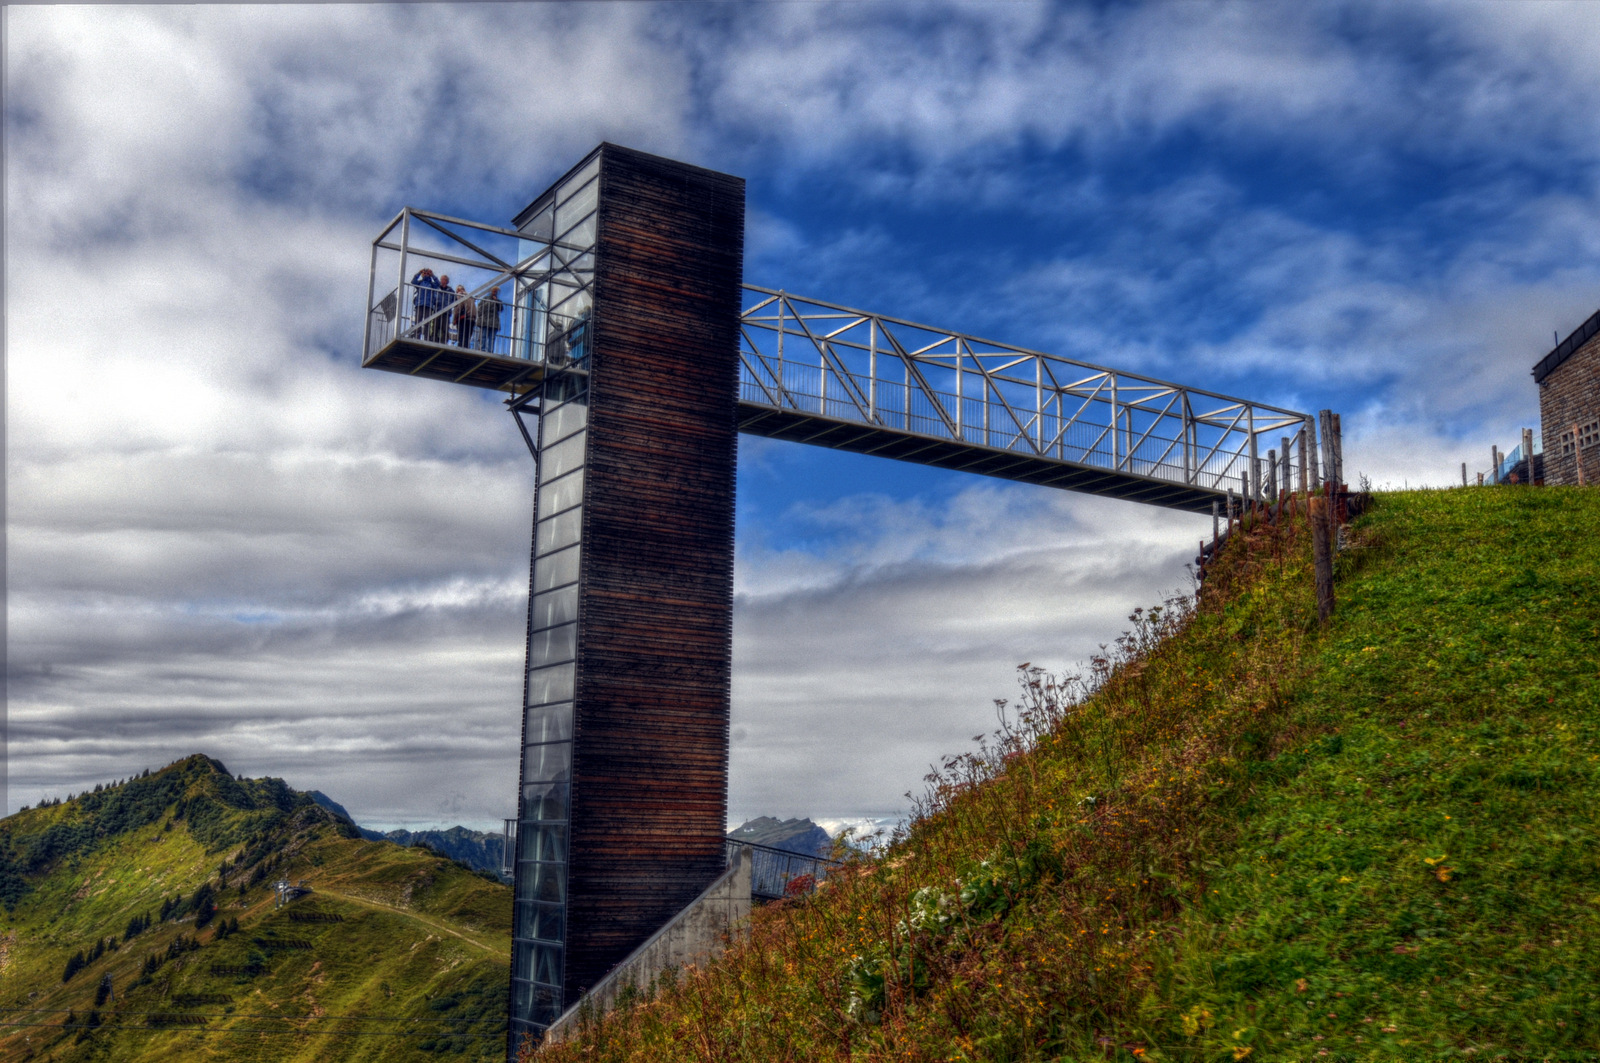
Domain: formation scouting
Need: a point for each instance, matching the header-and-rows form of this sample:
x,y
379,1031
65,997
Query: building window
x,y
1588,435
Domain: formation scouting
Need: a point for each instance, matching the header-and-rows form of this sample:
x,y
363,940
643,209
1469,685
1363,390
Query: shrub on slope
x,y
1243,836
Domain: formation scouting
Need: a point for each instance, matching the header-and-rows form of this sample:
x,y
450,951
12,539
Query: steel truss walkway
x,y
820,373
815,372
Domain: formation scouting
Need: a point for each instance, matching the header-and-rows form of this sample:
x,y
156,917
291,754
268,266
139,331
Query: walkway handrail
x,y
776,873
810,357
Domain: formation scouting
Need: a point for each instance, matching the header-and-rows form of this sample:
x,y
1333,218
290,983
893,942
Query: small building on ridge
x,y
1569,407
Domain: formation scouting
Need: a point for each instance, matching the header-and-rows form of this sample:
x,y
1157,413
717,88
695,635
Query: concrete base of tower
x,y
700,931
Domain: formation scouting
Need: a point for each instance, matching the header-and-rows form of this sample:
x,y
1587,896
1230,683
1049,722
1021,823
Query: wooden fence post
x,y
1338,453
1463,474
1304,479
1252,485
1322,562
1527,453
1325,427
1577,452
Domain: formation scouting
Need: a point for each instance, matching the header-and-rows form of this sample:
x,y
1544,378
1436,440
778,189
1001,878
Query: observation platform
x,y
497,326
827,375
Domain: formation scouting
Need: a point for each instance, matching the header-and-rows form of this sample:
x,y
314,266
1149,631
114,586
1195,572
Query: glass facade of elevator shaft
x,y
559,310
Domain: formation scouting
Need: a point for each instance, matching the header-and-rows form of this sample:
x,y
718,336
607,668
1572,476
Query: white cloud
x,y
225,537
883,654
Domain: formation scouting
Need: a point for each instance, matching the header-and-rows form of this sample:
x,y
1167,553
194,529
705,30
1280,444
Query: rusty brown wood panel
x,y
655,648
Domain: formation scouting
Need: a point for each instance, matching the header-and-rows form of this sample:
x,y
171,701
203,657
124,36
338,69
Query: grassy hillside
x,y
164,884
1243,835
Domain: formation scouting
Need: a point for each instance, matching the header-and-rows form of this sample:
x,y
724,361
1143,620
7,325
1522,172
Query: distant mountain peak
x,y
792,835
330,804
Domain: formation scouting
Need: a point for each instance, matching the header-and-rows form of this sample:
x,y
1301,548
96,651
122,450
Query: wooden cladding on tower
x,y
654,658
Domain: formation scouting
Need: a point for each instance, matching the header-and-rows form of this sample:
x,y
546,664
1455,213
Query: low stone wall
x,y
693,934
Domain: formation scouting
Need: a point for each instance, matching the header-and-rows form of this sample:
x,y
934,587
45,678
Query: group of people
x,y
477,322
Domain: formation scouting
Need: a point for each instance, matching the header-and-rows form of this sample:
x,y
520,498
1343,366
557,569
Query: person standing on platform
x,y
466,315
439,328
489,308
423,286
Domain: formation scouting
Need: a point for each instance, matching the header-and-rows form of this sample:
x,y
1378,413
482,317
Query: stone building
x,y
1569,407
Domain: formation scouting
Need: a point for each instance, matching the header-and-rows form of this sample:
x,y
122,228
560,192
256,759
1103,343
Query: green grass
x,y
406,958
1241,836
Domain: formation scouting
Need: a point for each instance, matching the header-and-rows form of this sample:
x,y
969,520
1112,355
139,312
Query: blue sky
x,y
226,538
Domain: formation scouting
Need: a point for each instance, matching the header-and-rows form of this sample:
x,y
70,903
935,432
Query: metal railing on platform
x,y
514,295
479,322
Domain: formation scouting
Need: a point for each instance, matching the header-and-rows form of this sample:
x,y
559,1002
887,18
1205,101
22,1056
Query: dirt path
x,y
424,920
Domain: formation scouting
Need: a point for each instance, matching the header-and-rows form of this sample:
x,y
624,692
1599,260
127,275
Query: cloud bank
x,y
226,538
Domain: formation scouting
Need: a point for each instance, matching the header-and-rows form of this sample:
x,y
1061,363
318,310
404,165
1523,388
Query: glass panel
x,y
563,457
549,685
562,289
541,226
537,1004
576,182
563,421
547,964
555,569
544,801
522,963
557,532
535,257
552,645
542,882
568,300
570,342
579,205
546,1005
529,321
561,493
547,842
550,762
559,387
523,990
582,234
549,723
536,920
524,917
555,607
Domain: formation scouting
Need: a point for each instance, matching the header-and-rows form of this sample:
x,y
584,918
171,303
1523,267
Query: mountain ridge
x,y
140,921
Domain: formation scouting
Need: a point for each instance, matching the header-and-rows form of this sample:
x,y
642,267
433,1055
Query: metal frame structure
x,y
412,330
822,373
626,331
827,374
